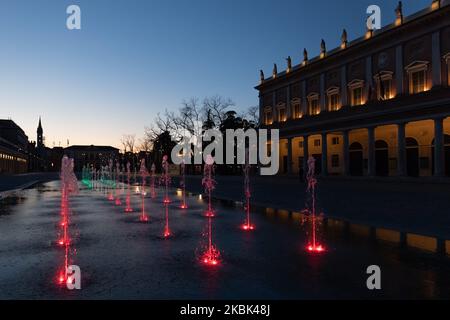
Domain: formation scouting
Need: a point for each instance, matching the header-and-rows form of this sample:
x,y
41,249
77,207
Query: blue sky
x,y
134,58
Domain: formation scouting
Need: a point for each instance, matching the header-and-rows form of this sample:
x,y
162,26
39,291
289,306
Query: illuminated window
x,y
282,117
417,74
356,92
417,82
296,109
268,116
384,85
357,97
334,103
335,141
447,60
317,143
313,104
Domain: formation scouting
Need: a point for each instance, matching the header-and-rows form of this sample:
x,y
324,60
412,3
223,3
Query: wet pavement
x,y
121,258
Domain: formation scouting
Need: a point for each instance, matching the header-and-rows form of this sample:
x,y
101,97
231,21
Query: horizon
x,y
113,76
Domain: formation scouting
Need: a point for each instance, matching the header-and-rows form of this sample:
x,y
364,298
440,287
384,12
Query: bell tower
x,y
40,136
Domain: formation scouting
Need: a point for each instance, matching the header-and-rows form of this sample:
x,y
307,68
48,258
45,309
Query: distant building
x,y
85,155
13,148
375,106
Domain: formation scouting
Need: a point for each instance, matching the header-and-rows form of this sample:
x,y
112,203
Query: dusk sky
x,y
135,58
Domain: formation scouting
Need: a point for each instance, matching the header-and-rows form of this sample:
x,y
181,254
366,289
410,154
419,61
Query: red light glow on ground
x,y
316,249
248,227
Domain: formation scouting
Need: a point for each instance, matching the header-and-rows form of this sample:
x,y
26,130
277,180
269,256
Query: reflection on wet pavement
x,y
121,258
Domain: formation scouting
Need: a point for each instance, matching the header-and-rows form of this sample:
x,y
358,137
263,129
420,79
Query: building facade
x,y
376,106
13,148
91,155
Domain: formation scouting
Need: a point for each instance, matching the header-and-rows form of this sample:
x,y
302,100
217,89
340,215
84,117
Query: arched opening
x,y
446,154
412,157
382,158
356,159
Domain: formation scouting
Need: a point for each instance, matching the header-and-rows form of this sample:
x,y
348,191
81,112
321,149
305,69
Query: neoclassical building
x,y
375,106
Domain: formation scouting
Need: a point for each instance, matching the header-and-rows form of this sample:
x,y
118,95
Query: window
x,y
335,141
317,143
300,144
357,97
417,82
296,109
313,104
417,74
282,113
268,116
334,102
384,85
335,160
333,99
447,60
357,92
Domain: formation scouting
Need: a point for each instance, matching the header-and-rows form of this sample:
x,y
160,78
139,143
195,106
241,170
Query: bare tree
x,y
190,118
145,144
218,106
123,141
128,142
253,114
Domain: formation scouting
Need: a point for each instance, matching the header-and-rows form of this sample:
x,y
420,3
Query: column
x,y
439,160
369,80
344,85
274,107
371,152
305,154
288,103
345,153
289,156
261,106
324,155
399,69
304,99
323,105
436,59
401,150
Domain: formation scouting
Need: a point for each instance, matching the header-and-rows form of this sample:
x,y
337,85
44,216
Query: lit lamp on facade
x,y
436,4
399,14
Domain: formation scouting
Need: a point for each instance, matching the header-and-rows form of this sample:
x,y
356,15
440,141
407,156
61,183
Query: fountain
x,y
313,245
212,255
144,173
247,226
69,185
128,208
165,178
183,185
152,181
117,188
110,179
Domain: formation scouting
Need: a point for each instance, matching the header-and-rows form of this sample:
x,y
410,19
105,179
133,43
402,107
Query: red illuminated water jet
x,y
167,233
247,226
69,184
211,256
183,185
313,246
165,179
144,173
